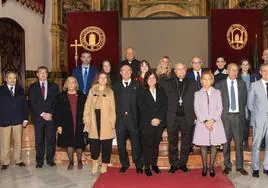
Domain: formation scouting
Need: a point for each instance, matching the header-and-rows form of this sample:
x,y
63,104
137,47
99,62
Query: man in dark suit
x,y
132,62
180,117
85,73
196,72
234,100
42,96
14,115
126,91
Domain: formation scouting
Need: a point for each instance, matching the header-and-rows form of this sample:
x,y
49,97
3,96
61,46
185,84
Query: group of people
x,y
207,109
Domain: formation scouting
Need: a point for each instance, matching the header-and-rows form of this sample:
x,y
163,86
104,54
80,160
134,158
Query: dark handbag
x,y
86,139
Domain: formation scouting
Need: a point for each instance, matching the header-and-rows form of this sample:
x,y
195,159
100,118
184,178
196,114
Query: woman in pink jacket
x,y
209,129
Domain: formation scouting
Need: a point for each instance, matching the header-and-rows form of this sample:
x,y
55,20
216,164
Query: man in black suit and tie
x,y
126,92
196,72
132,62
42,96
180,117
14,115
234,100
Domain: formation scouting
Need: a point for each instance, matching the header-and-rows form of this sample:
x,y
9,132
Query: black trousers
x,y
179,124
98,146
246,131
151,138
124,129
45,140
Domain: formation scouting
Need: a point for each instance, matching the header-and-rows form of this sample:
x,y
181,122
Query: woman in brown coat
x,y
99,119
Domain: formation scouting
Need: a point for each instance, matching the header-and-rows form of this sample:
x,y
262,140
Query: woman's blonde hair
x,y
97,77
65,86
160,68
208,73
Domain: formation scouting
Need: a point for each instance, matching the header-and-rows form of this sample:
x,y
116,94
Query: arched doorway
x,y
12,49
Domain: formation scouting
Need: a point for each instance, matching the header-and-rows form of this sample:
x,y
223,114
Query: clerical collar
x,y
179,79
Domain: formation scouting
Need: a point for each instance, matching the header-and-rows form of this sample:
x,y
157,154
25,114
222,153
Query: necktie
x,y
198,80
43,90
233,102
126,84
267,89
85,79
12,91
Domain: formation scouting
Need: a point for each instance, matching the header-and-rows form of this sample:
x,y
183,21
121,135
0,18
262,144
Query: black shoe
x,y
220,148
70,166
21,164
226,171
212,172
191,149
242,171
204,171
156,169
4,167
79,165
39,165
148,172
139,170
265,172
123,169
184,168
51,163
173,169
255,173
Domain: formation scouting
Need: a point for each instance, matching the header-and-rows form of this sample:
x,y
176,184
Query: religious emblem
x,y
92,38
237,36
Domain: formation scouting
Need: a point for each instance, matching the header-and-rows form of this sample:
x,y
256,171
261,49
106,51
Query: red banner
x,y
95,32
234,32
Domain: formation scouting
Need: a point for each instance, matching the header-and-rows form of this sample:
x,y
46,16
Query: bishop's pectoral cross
x,y
76,45
180,101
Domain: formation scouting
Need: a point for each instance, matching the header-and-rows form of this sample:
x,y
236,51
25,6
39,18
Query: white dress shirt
x,y
83,69
195,74
124,82
153,92
13,90
45,88
229,84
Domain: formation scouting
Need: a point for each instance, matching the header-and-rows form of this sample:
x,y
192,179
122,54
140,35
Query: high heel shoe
x,y
212,172
204,172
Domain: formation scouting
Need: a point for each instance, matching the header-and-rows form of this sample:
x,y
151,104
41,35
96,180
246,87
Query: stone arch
x,y
163,8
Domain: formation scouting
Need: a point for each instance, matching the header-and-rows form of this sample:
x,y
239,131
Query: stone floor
x,y
59,177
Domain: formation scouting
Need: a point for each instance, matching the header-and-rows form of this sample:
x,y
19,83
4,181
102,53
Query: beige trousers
x,y
5,135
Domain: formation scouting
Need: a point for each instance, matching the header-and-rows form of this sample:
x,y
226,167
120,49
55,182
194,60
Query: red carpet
x,y
113,179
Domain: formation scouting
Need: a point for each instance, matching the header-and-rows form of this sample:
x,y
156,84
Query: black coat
x,y
63,118
150,109
188,100
13,109
37,102
135,65
135,87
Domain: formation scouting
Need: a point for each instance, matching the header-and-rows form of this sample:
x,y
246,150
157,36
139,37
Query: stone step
x,y
28,146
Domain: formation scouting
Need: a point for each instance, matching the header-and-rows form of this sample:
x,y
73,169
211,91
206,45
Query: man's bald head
x,y
130,54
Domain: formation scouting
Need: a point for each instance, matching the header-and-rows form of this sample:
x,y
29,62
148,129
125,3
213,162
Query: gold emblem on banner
x,y
237,36
92,38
